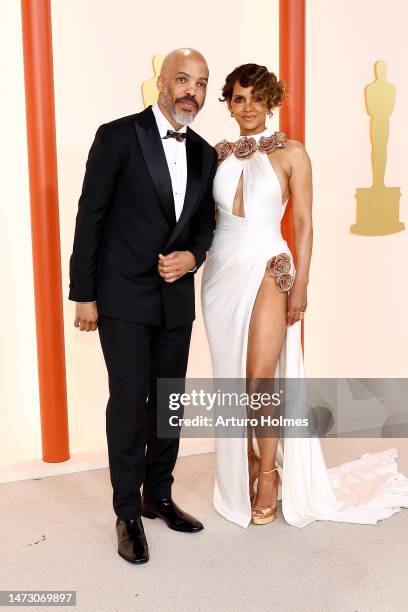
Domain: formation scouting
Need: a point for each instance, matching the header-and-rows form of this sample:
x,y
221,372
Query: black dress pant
x,y
135,356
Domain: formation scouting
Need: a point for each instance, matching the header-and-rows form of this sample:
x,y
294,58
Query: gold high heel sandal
x,y
268,512
252,477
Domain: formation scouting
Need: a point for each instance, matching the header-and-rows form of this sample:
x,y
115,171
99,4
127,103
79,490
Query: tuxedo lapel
x,y
194,154
156,163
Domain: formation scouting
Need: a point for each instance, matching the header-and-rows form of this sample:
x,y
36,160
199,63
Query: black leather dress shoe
x,y
174,516
132,543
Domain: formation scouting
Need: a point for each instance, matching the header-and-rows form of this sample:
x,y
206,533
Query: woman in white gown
x,y
253,300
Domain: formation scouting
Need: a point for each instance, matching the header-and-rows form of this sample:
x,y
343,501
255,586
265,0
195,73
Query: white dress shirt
x,y
176,157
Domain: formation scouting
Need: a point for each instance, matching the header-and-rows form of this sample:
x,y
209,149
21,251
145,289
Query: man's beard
x,y
179,116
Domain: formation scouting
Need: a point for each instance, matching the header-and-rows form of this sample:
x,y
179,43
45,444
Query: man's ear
x,y
160,83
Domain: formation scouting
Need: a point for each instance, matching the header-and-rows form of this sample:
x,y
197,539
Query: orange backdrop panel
x,y
42,165
292,71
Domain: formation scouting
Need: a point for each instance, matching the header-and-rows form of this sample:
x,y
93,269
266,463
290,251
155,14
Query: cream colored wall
x,y
19,417
356,322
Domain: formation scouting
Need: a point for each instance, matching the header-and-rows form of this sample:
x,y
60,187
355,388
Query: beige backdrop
x,y
355,323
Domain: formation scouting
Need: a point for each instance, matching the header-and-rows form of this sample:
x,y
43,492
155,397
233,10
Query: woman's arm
x,y
301,189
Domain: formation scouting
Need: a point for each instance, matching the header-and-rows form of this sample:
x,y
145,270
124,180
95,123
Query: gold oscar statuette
x,y
377,211
150,93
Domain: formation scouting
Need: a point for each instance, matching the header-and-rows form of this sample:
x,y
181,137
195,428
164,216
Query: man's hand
x,y
173,266
86,316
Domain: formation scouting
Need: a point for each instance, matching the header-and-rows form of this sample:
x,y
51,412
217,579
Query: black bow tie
x,y
179,136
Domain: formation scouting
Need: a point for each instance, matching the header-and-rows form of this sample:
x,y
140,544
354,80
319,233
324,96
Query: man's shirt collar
x,y
163,123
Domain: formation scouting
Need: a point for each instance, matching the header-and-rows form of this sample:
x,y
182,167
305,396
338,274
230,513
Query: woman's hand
x,y
297,302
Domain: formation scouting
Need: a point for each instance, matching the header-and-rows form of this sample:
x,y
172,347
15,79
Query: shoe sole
x,y
262,521
136,562
153,515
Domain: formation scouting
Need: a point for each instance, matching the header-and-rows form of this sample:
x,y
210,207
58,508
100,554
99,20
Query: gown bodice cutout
x,y
261,187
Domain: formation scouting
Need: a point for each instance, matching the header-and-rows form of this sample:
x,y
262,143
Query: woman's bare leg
x,y
266,334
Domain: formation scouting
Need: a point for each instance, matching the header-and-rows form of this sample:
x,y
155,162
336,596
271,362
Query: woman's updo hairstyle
x,y
261,80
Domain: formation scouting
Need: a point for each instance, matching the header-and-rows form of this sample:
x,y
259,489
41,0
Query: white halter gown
x,y
233,272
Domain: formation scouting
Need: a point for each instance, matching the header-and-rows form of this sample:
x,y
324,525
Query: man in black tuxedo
x,y
145,221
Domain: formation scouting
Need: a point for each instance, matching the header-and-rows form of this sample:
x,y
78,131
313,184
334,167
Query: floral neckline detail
x,y
246,146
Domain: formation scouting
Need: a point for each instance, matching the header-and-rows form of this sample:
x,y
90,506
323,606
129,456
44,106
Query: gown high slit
x,y
365,490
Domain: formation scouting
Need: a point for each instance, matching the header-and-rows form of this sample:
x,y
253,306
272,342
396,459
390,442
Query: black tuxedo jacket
x,y
126,217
